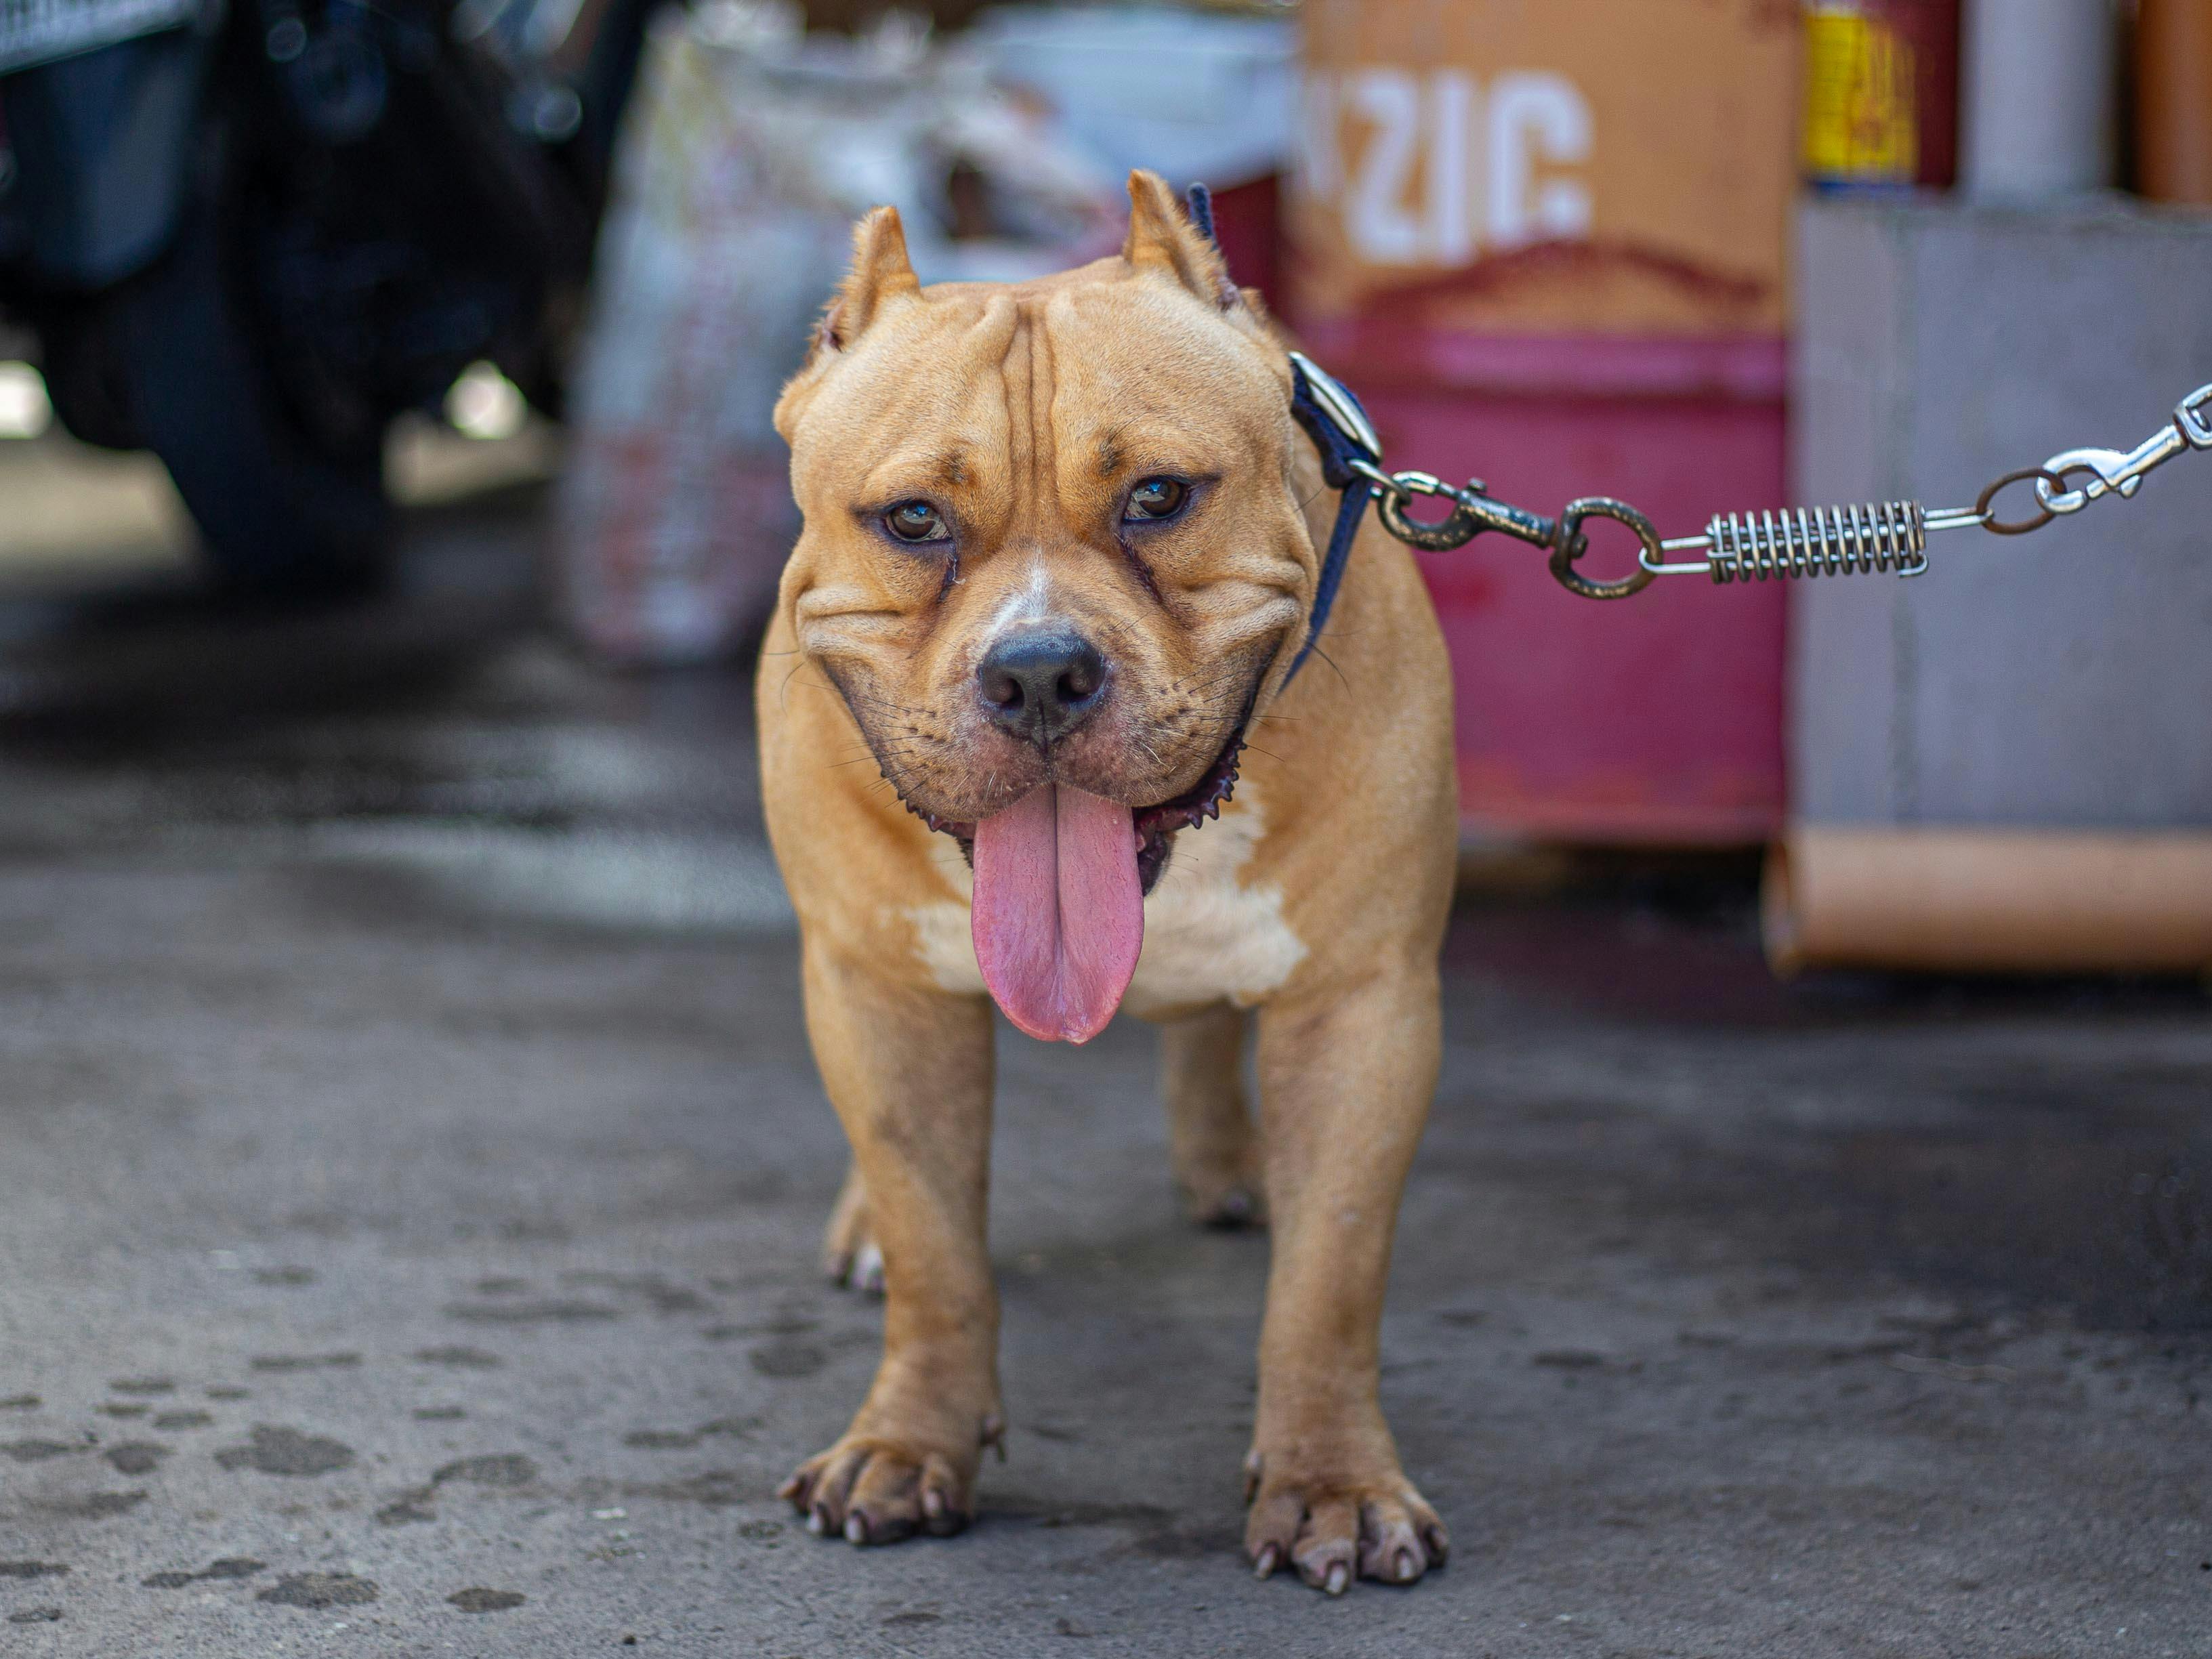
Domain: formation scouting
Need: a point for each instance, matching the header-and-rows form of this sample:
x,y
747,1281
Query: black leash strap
x,y
1318,407
1200,201
1339,428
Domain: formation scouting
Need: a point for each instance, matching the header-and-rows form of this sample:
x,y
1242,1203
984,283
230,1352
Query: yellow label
x,y
1861,113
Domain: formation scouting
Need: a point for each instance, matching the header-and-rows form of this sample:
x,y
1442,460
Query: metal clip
x,y
1340,407
2189,416
1473,511
1507,519
1395,490
2112,471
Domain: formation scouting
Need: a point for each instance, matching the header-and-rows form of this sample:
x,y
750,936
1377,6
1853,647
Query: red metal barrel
x,y
1547,245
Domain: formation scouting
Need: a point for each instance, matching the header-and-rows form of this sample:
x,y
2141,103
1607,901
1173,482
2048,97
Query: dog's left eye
x,y
916,522
1156,498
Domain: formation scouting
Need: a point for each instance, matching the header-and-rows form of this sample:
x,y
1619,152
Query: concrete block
x,y
2061,680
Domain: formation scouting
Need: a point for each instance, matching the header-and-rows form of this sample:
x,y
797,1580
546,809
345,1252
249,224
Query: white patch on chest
x,y
942,938
1209,936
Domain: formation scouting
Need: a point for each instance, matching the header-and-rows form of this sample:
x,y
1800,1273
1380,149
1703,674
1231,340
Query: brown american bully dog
x,y
1062,540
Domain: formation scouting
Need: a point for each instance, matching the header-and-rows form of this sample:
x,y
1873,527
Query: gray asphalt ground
x,y
411,1170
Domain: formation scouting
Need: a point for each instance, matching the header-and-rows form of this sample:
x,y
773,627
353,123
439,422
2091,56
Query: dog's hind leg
x,y
850,1254
1212,1142
909,1072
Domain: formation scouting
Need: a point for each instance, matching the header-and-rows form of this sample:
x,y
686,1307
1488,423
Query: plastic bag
x,y
749,150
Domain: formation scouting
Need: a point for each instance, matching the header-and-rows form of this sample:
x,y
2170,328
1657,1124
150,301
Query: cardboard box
x,y
1548,166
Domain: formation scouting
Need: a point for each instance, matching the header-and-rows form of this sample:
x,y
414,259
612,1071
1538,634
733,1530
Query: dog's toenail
x,y
1408,1568
1265,1567
856,1529
933,1503
1338,1577
817,1523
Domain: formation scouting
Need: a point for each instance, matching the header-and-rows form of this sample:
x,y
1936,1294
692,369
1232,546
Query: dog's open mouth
x,y
1058,911
1201,801
1157,825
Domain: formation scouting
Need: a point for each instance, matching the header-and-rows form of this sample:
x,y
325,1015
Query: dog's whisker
x,y
1331,661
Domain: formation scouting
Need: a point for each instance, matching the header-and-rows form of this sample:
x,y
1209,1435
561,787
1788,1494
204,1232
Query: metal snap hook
x,y
2189,416
2109,469
1456,529
1568,544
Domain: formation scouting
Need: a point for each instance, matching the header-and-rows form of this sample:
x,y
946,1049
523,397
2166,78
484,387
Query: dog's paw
x,y
867,1489
1333,1532
1226,1194
850,1254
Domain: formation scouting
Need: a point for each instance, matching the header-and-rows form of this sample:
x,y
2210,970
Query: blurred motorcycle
x,y
249,234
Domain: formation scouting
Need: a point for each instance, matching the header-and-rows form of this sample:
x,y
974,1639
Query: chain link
x,y
1753,547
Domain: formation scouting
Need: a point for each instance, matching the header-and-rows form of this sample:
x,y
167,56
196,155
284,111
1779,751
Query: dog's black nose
x,y
1040,683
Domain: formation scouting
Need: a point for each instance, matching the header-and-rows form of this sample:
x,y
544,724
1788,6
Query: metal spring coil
x,y
1827,541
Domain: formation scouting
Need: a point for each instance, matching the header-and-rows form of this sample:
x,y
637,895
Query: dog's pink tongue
x,y
1059,912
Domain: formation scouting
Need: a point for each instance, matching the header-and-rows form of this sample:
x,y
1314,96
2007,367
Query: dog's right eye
x,y
916,522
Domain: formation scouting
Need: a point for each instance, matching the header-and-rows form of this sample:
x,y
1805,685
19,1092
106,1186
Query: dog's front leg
x,y
1345,1075
909,1072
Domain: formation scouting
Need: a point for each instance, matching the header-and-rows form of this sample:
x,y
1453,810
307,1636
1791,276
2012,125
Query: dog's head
x,y
1052,557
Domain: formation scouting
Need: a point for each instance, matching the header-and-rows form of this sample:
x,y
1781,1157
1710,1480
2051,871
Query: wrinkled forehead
x,y
1118,370
1134,355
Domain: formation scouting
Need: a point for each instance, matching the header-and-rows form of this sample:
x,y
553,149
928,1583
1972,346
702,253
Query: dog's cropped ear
x,y
1163,238
881,275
